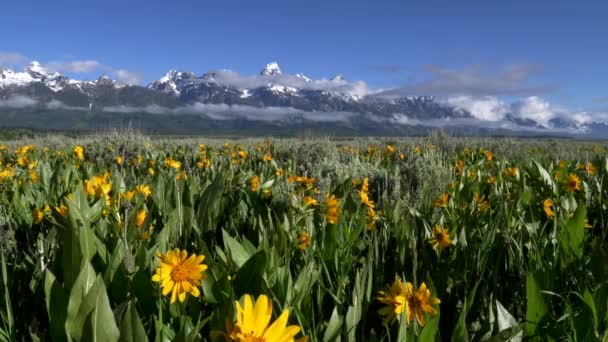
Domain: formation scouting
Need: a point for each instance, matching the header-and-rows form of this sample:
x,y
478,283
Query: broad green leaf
x,y
571,236
131,327
56,306
238,254
332,332
536,308
250,277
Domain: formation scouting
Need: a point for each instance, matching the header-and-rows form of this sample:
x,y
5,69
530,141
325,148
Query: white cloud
x,y
126,76
56,104
18,101
231,112
486,108
12,59
535,109
76,67
473,80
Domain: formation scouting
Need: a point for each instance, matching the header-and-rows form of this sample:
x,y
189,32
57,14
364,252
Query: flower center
x,y
179,273
440,237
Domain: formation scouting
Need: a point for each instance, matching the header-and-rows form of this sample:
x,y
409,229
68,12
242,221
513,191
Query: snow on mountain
x,y
37,71
338,78
271,69
302,76
9,78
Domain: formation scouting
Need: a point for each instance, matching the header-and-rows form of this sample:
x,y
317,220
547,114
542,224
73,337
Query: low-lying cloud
x,y
232,112
18,101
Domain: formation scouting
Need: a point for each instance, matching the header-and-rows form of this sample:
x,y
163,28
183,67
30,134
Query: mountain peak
x,y
338,78
36,70
271,69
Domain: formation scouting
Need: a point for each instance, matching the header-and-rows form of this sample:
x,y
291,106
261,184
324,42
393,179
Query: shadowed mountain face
x,y
224,100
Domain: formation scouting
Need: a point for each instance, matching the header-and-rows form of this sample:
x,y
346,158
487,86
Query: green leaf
x,y
82,285
238,254
536,308
332,332
586,322
56,306
460,332
571,237
250,277
545,177
95,319
131,328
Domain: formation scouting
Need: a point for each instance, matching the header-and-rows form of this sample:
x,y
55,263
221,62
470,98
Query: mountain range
x,y
224,101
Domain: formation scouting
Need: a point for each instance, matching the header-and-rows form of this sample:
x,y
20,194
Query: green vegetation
x,y
431,238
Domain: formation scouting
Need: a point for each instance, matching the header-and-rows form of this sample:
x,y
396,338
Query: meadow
x,y
131,238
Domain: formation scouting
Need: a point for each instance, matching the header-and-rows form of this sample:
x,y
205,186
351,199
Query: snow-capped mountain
x,y
271,69
272,97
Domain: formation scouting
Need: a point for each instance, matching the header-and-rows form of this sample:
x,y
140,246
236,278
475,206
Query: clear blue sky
x,y
563,44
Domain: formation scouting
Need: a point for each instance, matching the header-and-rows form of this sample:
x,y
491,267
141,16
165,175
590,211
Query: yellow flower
x,y
511,172
490,180
572,183
279,172
255,181
487,154
128,195
32,175
146,234
308,200
303,241
151,171
242,154
267,157
144,190
420,302
78,152
547,204
389,149
365,185
172,163
140,218
401,156
480,202
332,208
118,160
586,224
441,238
365,199
181,176
394,300
370,218
62,210
458,167
6,174
37,215
441,201
590,168
179,274
253,323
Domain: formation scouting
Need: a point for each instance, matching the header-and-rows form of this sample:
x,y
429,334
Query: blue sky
x,y
509,49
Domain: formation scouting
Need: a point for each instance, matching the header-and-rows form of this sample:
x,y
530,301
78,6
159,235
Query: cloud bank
x,y
474,80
